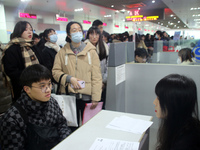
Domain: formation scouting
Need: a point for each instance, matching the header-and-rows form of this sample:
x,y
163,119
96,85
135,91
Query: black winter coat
x,y
14,64
48,57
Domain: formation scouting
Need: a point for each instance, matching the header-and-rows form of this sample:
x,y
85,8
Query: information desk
x,y
84,137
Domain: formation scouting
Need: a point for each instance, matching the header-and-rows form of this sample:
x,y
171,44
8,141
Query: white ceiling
x,y
180,7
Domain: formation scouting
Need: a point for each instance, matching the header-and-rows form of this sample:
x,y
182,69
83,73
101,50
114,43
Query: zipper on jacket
x,y
76,70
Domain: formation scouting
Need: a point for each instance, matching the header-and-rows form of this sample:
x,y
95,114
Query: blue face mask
x,y
156,36
77,37
53,38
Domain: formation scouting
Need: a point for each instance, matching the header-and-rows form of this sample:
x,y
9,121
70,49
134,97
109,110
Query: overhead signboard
x,y
27,15
138,15
58,18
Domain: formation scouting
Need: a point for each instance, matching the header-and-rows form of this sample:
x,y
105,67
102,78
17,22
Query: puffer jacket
x,y
5,94
84,66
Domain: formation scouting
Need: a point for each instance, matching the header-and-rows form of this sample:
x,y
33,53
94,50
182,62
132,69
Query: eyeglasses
x,y
44,87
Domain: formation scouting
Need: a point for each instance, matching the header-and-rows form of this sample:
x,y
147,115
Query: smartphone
x,y
82,84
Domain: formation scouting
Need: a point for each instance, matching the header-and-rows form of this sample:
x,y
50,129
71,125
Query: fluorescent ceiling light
x,y
112,5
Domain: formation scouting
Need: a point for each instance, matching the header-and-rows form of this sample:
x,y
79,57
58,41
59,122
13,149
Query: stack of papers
x,y
110,144
129,124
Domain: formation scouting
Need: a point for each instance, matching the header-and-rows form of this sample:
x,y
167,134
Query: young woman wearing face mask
x,y
185,57
51,48
79,62
177,107
19,54
94,36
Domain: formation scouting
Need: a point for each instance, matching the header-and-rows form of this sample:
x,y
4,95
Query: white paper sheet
x,y
110,144
129,124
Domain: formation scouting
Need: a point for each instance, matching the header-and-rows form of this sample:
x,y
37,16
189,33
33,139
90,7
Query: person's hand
x,y
74,82
94,105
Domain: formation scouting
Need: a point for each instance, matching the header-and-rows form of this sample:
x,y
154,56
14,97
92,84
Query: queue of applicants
x,y
35,111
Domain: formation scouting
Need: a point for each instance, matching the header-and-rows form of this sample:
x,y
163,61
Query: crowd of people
x,y
31,63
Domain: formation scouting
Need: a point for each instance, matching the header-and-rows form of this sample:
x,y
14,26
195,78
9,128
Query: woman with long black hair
x,y
94,36
177,107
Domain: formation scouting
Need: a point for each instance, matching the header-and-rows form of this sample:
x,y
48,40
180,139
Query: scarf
x,y
27,53
56,47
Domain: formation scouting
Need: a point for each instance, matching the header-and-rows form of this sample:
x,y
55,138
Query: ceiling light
x,y
178,21
177,27
107,16
196,19
153,1
171,15
161,23
123,10
174,17
193,15
117,11
128,11
171,23
112,5
198,7
184,25
191,8
138,8
195,8
174,25
79,9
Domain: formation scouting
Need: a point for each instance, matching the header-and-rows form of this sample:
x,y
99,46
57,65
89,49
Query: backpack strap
x,y
21,111
58,88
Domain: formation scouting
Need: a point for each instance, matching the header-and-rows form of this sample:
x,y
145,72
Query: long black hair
x,y
177,95
102,49
19,28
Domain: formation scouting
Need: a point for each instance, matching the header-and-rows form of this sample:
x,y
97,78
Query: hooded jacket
x,y
84,66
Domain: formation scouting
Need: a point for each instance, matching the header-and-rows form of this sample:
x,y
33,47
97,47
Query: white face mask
x,y
178,61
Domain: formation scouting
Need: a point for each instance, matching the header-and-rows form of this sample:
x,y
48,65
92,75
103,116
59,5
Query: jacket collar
x,y
87,48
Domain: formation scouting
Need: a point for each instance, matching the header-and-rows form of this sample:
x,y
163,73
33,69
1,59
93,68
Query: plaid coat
x,y
13,129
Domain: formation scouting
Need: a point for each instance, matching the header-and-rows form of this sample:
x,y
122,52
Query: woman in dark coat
x,y
19,54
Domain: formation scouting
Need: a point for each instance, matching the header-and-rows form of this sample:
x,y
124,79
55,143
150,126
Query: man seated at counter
x,y
35,120
140,55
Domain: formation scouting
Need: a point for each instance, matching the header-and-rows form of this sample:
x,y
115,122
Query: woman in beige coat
x,y
79,62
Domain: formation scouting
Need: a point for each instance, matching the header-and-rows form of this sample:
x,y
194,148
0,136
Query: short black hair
x,y
34,73
141,52
97,23
20,27
35,36
46,32
68,27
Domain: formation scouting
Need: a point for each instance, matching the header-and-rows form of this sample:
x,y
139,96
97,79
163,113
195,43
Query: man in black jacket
x,y
35,114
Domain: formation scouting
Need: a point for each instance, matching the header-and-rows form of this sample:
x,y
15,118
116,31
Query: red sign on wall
x,y
86,22
27,15
104,24
62,19
117,26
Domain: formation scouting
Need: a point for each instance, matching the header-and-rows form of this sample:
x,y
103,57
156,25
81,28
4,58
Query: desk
x,y
83,138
